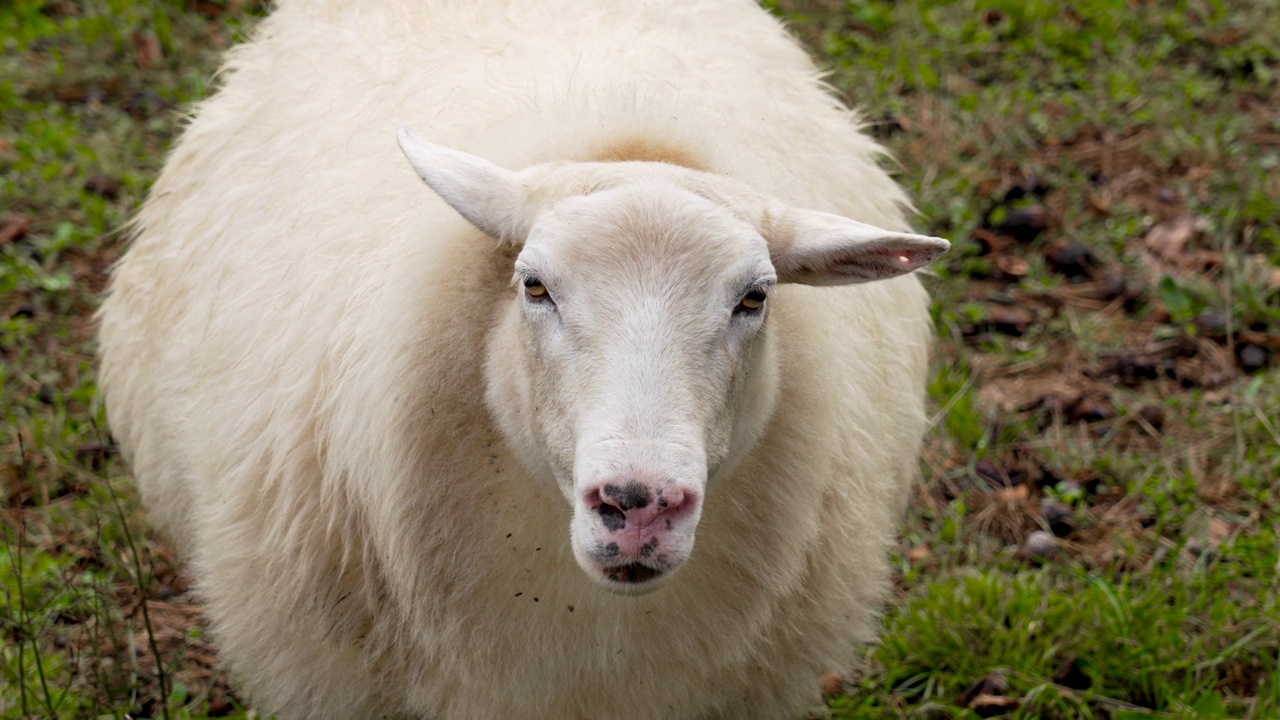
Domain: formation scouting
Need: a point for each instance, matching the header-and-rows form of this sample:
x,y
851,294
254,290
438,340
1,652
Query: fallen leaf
x,y
1014,266
147,53
832,685
14,227
1014,494
1230,37
1219,531
1168,240
988,242
988,705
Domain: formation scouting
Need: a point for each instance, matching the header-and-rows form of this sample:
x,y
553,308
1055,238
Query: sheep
x,y
614,418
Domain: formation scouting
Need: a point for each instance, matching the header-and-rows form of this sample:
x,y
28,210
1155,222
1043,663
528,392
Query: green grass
x,y
90,96
1163,599
1123,397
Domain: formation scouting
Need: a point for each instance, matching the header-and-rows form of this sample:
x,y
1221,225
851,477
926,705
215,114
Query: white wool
x,y
296,350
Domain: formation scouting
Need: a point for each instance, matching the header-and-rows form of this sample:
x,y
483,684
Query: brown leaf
x,y
1219,531
832,685
1230,37
988,242
146,51
14,227
1168,240
987,705
1010,265
1013,495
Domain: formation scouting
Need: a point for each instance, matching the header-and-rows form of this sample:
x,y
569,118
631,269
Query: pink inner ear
x,y
907,257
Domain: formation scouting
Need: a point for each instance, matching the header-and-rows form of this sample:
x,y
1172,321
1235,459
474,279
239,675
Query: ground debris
x,y
13,227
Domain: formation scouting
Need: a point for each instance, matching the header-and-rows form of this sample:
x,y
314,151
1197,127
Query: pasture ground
x,y
1096,534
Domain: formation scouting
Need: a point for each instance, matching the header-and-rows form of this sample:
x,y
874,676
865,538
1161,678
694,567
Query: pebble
x,y
1040,545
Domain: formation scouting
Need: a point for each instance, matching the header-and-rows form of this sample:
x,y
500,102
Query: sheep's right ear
x,y
489,197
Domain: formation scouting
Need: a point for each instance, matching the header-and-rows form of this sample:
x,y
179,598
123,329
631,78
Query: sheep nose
x,y
629,504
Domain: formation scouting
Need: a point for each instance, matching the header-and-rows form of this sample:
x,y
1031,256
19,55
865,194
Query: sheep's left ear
x,y
817,248
489,197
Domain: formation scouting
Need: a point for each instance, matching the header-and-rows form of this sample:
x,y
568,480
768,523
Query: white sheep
x,y
447,459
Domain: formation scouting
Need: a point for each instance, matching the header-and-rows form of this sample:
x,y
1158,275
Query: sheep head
x,y
631,364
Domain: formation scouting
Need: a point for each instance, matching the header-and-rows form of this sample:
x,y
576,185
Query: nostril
x,y
671,498
630,504
614,518
628,496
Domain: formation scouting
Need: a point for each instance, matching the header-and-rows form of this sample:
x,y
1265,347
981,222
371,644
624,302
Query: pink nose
x,y
632,514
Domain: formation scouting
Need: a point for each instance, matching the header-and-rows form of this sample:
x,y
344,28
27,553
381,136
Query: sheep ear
x,y
817,248
489,197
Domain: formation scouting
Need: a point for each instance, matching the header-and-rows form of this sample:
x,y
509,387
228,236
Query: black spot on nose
x,y
613,518
633,495
611,550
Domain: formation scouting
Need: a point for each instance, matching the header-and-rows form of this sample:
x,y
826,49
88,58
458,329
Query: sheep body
x,y
294,360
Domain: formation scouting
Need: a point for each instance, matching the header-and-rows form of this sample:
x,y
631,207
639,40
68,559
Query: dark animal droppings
x,y
1060,518
1252,357
1024,226
1074,260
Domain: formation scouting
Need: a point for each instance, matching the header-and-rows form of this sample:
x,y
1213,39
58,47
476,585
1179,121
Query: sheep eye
x,y
535,290
751,303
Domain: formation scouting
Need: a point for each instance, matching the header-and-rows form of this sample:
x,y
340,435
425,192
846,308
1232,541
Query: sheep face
x,y
640,311
633,364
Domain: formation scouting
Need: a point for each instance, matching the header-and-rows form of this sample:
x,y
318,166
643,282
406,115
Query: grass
x,y
1125,402
94,618
1096,535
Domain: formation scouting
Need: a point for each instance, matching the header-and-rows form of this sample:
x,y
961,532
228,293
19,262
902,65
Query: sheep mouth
x,y
633,574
